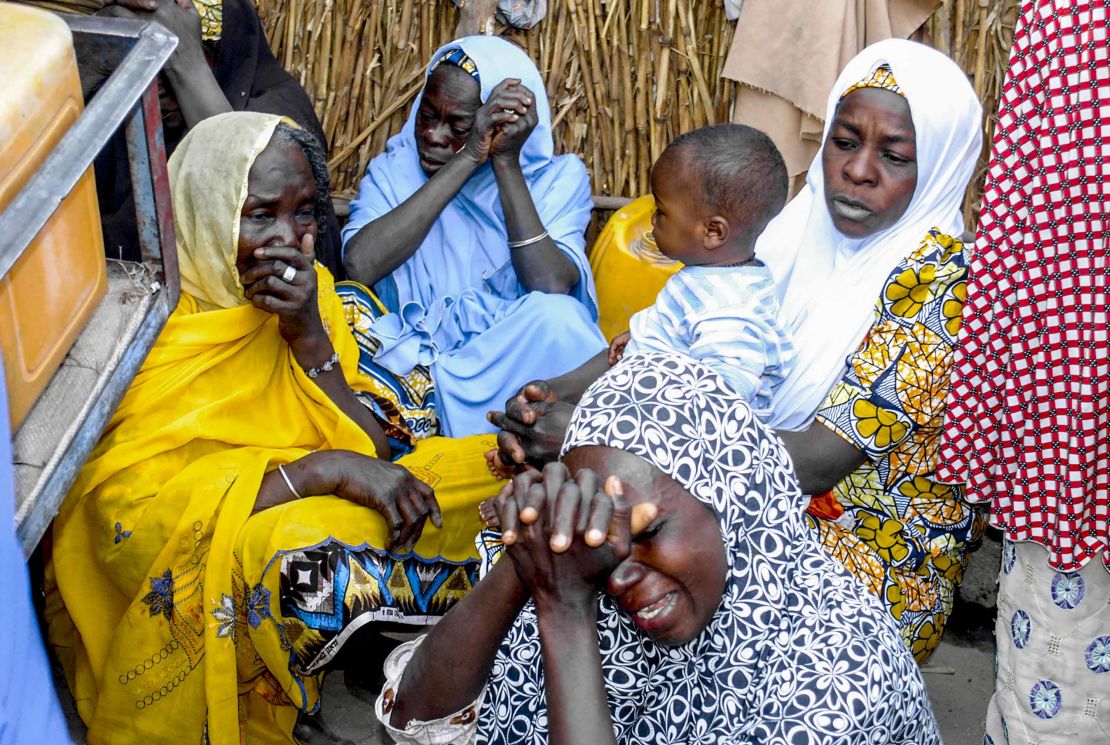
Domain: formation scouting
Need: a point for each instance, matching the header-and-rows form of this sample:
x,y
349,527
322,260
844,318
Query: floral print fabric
x,y
903,534
1052,679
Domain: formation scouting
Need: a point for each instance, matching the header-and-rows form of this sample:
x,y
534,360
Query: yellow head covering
x,y
209,185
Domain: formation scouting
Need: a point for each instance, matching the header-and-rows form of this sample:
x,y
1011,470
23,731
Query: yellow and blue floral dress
x,y
906,536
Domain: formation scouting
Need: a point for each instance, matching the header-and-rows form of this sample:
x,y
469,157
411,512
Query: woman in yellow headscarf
x,y
229,531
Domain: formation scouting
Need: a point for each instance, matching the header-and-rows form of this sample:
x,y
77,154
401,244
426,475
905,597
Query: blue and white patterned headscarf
x,y
797,651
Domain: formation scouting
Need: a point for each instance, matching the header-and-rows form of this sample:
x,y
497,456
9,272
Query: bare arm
x,y
194,86
403,501
575,686
382,245
452,666
539,266
571,386
316,351
822,458
299,322
564,537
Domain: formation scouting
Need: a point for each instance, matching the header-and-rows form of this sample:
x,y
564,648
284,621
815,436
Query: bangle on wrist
x,y
328,366
289,482
528,241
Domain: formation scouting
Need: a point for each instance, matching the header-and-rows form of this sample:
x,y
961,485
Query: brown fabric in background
x,y
786,54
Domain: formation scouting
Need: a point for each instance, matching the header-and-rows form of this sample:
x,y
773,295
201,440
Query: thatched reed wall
x,y
625,76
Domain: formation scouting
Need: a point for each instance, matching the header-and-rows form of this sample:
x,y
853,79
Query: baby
x,y
715,190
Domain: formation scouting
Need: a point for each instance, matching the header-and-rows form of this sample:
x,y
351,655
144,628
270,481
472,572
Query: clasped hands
x,y
503,124
566,534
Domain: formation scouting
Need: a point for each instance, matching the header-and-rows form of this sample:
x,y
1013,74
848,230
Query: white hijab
x,y
829,283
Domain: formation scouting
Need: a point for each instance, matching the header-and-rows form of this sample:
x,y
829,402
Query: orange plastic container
x,y
628,269
57,283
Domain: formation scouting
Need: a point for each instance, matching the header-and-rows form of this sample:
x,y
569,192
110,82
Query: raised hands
x,y
502,124
566,534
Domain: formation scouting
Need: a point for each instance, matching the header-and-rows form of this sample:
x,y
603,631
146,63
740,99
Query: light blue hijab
x,y
456,305
467,246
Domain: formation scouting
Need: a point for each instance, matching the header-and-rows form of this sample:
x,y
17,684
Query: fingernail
x,y
559,542
508,537
529,515
594,537
613,487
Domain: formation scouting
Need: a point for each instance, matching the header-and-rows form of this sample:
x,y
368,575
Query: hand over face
x,y
270,286
510,104
532,426
403,500
564,535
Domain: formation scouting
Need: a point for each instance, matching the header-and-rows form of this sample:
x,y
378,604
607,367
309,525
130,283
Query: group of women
x,y
299,458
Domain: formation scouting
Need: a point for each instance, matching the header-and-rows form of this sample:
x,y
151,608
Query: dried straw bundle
x,y
977,34
624,76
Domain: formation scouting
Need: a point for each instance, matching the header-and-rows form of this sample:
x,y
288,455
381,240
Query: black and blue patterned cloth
x,y
797,652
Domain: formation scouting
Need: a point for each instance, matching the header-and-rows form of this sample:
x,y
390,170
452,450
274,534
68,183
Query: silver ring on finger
x,y
288,274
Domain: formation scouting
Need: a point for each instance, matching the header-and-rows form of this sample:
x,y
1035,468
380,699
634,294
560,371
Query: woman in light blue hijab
x,y
471,232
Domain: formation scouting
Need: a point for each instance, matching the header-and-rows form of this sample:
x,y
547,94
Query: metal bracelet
x,y
528,241
289,482
328,366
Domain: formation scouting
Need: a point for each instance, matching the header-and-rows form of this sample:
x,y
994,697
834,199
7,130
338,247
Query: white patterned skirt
x,y
1052,679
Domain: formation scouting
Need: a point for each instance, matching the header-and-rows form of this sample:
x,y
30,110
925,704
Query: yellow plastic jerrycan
x,y
57,283
628,269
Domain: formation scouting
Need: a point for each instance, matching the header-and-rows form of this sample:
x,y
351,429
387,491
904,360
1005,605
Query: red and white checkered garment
x,y
1028,420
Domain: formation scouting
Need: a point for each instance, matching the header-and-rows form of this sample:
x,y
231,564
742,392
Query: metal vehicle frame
x,y
136,52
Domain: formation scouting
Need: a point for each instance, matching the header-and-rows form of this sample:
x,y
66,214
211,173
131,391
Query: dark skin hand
x,y
535,422
563,557
456,134
616,347
404,501
568,536
187,73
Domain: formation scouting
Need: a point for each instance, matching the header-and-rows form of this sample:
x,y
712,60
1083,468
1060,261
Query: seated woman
x,y
222,63
864,404
240,517
713,617
471,233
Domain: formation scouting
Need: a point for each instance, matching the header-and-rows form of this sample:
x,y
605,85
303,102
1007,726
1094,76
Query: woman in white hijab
x,y
880,217
872,278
